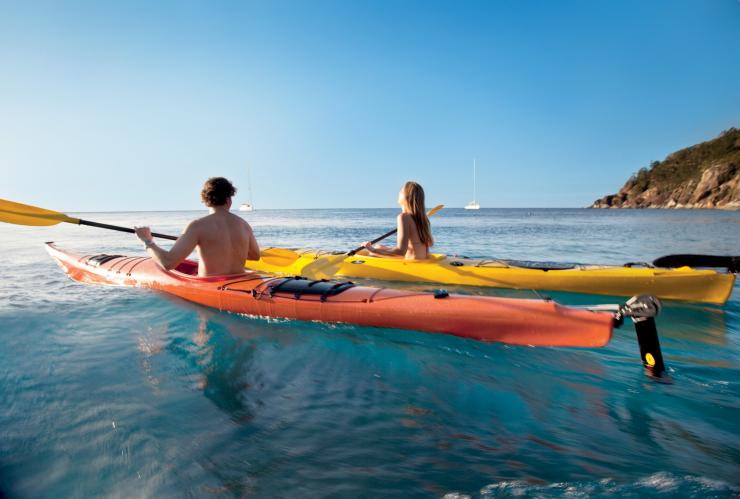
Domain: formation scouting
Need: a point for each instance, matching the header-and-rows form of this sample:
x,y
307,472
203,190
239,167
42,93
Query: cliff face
x,y
706,175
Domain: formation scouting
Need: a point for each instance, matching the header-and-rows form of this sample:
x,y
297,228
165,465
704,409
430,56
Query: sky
x,y
108,106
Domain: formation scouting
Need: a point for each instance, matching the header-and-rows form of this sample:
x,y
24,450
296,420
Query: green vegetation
x,y
687,164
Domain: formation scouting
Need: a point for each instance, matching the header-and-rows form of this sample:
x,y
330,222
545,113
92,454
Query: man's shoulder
x,y
235,222
197,222
239,220
200,223
212,220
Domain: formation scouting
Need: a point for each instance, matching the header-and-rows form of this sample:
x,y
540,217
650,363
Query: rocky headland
x,y
705,175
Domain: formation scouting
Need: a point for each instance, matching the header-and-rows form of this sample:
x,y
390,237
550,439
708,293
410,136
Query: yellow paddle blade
x,y
279,257
324,267
23,214
435,210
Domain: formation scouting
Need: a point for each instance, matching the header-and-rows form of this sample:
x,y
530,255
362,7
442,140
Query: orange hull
x,y
508,320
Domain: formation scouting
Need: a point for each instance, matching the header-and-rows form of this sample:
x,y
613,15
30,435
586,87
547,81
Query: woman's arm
x,y
402,242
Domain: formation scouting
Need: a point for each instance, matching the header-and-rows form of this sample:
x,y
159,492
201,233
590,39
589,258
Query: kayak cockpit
x,y
187,267
188,270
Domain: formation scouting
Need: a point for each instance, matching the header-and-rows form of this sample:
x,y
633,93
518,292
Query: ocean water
x,y
128,393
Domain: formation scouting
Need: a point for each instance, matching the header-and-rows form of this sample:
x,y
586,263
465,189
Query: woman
x,y
414,232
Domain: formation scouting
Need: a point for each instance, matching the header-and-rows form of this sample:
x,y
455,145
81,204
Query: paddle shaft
x,y
390,233
122,229
376,240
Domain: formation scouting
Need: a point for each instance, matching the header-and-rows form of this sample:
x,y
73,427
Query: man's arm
x,y
184,245
254,248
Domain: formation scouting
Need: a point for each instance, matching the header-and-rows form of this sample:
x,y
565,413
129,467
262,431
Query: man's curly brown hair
x,y
217,191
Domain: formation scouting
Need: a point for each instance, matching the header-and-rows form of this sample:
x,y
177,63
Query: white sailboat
x,y
473,205
248,206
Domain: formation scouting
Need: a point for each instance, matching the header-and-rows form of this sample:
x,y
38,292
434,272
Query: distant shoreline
x,y
461,209
703,176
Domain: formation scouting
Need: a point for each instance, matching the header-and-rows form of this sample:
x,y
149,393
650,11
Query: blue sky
x,y
131,105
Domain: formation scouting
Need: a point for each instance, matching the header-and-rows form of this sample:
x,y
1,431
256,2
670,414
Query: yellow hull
x,y
685,283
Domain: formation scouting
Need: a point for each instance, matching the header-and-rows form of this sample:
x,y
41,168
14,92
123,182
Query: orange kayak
x,y
508,320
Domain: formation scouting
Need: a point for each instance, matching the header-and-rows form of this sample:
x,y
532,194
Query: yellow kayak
x,y
683,283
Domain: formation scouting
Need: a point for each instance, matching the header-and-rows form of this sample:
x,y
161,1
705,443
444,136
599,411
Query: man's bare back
x,y
223,240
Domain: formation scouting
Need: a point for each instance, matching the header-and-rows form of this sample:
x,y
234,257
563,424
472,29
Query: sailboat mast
x,y
249,184
475,190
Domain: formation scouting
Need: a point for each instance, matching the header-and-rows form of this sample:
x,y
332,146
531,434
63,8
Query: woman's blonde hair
x,y
414,195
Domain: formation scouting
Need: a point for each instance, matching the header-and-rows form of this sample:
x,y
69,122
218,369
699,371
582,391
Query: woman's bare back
x,y
415,249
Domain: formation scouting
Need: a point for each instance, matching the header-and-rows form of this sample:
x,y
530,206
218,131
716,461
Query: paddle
x,y
326,266
278,257
23,214
731,263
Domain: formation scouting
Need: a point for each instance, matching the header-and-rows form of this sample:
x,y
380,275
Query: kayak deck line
x,y
516,321
682,283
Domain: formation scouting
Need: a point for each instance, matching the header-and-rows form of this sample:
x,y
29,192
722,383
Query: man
x,y
223,240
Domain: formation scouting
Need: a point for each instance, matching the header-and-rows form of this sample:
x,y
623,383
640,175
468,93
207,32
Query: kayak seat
x,y
300,286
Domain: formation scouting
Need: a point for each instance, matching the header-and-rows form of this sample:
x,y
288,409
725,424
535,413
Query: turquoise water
x,y
128,393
